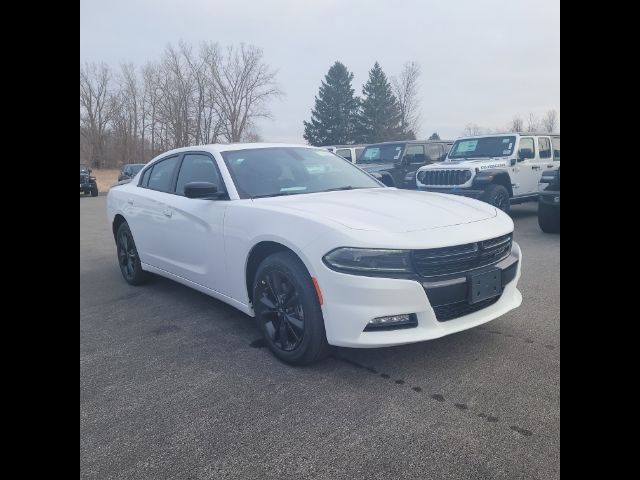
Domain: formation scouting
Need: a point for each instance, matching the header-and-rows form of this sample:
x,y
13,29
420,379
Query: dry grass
x,y
105,178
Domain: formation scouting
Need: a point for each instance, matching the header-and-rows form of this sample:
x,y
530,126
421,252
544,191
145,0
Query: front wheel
x,y
94,191
498,196
287,310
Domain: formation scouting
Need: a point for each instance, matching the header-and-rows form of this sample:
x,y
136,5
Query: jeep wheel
x,y
549,218
94,191
497,196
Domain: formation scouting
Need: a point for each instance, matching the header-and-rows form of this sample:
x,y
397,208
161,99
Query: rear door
x,y
526,172
148,211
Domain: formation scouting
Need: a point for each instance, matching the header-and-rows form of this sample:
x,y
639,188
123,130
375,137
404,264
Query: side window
x,y
556,148
358,153
198,167
526,149
434,152
415,154
145,177
544,146
344,153
161,174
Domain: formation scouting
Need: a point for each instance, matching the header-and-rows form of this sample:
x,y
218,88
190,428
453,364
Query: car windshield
x,y
483,147
268,172
388,152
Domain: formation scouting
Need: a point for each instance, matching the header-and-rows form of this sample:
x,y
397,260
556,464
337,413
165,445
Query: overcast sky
x,y
482,60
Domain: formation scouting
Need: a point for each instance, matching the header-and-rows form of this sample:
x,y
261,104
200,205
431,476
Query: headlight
x,y
467,175
361,260
421,176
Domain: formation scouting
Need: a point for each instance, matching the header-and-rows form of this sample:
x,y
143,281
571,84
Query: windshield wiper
x,y
279,194
346,187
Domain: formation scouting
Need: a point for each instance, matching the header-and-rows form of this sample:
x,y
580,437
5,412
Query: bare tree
x,y
517,124
533,123
471,129
406,89
550,121
95,108
243,85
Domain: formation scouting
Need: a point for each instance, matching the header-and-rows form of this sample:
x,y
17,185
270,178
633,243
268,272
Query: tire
x,y
287,310
548,218
498,196
128,258
94,191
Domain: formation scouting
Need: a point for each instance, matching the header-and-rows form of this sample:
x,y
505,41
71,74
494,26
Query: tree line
x,y
548,123
187,97
387,110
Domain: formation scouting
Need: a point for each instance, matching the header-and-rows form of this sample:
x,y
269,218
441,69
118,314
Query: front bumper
x,y
351,301
465,192
550,198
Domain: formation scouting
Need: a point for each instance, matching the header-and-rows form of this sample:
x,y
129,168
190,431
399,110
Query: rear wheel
x,y
498,196
128,257
287,310
548,218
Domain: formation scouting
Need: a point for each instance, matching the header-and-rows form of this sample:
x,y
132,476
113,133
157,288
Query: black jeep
x,y
87,183
549,202
395,163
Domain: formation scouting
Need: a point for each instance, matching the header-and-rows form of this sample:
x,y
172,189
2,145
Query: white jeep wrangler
x,y
500,169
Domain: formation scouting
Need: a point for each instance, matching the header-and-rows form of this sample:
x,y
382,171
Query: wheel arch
x,y
485,178
117,221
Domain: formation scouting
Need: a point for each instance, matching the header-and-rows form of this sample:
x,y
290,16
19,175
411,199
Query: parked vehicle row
x,y
314,248
500,169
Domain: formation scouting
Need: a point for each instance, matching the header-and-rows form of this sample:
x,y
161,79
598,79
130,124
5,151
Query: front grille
x,y
461,258
84,178
443,178
460,309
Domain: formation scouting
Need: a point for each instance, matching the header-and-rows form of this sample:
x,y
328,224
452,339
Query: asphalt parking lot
x,y
175,384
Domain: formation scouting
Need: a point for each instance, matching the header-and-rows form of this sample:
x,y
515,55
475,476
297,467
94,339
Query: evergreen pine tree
x,y
380,118
434,136
334,116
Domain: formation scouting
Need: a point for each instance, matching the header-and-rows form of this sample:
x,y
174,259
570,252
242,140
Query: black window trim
x,y
173,174
174,180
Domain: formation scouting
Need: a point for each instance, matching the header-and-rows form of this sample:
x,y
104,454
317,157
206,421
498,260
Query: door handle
x,y
535,167
550,166
130,201
167,212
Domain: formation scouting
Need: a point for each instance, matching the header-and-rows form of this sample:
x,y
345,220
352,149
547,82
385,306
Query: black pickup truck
x,y
549,202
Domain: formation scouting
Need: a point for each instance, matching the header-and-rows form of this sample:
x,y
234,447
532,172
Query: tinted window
x,y
344,153
434,153
145,177
161,175
526,149
262,172
415,154
134,169
391,152
556,148
544,145
197,168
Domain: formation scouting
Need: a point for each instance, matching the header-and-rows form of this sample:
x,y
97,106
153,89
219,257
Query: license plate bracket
x,y
484,285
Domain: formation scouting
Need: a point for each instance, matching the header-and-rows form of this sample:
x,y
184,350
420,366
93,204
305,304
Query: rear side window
x,y
162,174
415,154
344,153
145,177
545,147
197,167
556,148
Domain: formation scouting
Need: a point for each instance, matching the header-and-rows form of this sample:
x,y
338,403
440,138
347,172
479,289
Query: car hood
x,y
385,209
375,167
480,163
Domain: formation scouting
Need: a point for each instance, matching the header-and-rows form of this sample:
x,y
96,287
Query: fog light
x,y
392,322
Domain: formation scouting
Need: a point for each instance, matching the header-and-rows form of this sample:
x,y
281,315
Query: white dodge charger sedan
x,y
320,252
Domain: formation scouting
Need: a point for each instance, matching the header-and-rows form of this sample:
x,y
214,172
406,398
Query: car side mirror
x,y
203,190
